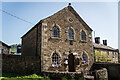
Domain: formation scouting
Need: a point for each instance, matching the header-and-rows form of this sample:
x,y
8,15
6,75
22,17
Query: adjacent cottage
x,y
63,42
4,48
104,53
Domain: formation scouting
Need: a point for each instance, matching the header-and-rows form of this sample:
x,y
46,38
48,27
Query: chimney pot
x,y
105,42
97,40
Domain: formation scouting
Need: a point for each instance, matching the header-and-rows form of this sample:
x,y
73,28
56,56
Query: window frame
x,y
86,60
55,34
55,59
113,55
70,34
3,51
83,35
0,51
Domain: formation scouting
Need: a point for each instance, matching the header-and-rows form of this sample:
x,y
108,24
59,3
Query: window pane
x,y
70,34
85,58
55,58
113,54
0,51
83,35
55,32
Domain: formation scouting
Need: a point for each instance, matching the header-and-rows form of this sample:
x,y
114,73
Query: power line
x,y
16,16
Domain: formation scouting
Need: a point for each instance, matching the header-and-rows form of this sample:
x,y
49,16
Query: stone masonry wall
x,y
20,64
40,42
29,43
62,45
112,68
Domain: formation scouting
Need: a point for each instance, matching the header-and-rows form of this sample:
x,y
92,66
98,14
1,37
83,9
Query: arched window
x,y
55,31
55,59
70,34
85,57
83,36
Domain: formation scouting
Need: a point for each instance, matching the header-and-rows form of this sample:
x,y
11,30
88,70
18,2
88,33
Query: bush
x,y
33,76
82,78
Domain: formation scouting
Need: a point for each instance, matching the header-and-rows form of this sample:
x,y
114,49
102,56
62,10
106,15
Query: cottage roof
x,y
4,44
70,8
102,46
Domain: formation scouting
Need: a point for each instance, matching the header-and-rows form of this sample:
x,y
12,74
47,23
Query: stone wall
x,y
20,64
61,45
29,43
39,41
113,69
101,74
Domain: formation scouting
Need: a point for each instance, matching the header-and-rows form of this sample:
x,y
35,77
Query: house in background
x,y
4,48
15,49
62,41
104,53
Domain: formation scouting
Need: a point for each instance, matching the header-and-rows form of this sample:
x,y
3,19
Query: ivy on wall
x,y
101,57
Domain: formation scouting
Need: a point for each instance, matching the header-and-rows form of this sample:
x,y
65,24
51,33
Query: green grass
x,y
29,77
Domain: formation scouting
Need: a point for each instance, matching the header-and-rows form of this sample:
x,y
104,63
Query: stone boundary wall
x,y
112,68
58,75
20,64
101,74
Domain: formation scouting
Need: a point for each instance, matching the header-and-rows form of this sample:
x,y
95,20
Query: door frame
x,y
71,63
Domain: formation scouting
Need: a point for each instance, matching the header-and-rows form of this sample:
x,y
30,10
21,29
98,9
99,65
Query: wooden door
x,y
71,64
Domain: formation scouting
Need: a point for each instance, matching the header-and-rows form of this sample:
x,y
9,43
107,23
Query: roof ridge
x,y
103,46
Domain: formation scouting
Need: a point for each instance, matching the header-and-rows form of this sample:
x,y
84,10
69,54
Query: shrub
x,y
33,76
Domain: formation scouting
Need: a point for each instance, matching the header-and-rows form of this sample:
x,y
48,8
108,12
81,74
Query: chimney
x,y
105,42
97,40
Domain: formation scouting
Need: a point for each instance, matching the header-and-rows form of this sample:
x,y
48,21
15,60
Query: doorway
x,y
71,63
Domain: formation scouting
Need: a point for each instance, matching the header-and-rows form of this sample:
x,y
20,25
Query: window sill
x,y
71,40
54,38
83,41
55,66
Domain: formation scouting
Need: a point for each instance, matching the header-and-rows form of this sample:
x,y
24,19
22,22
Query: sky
x,y
102,17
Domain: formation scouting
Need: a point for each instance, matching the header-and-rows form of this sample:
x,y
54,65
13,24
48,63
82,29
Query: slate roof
x,y
4,44
102,46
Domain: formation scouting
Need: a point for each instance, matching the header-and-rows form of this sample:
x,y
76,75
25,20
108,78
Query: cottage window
x,y
113,55
0,51
70,34
55,59
55,31
85,58
83,36
3,51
